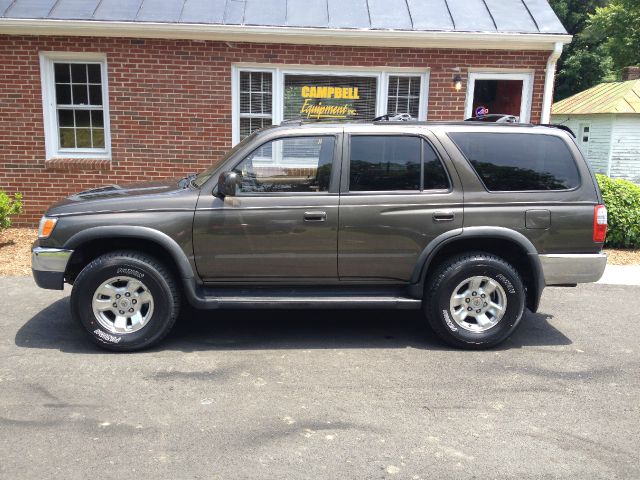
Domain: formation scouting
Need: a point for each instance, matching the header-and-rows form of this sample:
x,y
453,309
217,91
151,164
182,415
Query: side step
x,y
330,298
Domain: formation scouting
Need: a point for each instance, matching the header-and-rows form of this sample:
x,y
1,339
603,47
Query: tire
x,y
468,320
129,282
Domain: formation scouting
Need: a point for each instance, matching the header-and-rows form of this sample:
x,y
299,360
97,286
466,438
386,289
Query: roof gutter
x,y
549,79
297,35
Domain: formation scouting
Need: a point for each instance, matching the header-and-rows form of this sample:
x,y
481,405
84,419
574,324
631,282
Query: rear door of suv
x,y
529,179
398,191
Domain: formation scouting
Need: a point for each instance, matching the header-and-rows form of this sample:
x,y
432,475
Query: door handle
x,y
315,216
443,216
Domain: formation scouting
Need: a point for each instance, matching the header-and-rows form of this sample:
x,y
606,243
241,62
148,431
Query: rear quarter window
x,y
509,162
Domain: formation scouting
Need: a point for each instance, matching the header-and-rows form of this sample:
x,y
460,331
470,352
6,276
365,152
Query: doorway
x,y
499,93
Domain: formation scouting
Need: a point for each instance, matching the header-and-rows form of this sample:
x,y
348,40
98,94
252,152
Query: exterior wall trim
x,y
299,35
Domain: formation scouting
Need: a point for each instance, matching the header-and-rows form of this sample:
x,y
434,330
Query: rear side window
x,y
509,162
386,163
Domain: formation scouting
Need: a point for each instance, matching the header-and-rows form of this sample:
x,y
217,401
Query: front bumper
x,y
568,269
49,265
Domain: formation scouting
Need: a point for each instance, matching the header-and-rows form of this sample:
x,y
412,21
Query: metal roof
x,y
614,97
492,16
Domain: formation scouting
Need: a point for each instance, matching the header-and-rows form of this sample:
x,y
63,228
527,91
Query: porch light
x,y
457,82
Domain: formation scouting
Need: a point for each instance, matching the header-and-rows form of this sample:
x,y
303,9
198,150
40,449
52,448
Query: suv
x,y
466,221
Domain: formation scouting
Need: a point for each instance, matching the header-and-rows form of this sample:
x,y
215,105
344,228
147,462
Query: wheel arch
x,y
509,244
90,243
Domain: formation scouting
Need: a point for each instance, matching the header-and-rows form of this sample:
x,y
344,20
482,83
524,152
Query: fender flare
x,y
430,252
141,233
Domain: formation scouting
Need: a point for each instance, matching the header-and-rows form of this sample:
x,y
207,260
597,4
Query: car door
x,y
398,193
282,223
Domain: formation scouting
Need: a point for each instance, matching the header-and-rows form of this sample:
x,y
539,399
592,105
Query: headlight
x,y
47,224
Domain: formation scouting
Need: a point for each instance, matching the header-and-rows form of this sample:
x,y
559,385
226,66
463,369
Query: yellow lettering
x,y
305,92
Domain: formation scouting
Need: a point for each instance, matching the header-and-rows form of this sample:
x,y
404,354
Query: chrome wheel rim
x,y
478,304
122,305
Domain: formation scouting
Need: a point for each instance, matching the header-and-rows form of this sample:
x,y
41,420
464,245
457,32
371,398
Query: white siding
x,y
625,148
601,127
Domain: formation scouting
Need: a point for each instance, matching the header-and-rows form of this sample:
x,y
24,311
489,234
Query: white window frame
x,y
527,89
279,71
584,145
51,131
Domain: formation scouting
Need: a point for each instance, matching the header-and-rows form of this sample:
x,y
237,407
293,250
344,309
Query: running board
x,y
211,298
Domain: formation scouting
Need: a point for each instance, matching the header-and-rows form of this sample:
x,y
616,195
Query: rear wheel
x,y
125,301
475,300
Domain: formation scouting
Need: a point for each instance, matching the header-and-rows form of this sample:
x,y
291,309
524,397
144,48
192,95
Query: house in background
x,y
606,121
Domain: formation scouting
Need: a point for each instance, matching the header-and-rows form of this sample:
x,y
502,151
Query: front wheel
x,y
474,301
125,301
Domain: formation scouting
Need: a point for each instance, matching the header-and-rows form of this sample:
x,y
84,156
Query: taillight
x,y
599,224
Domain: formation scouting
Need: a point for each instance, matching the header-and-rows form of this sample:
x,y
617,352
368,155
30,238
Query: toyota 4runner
x,y
467,222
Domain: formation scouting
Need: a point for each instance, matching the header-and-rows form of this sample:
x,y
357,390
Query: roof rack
x,y
292,121
494,118
560,127
394,117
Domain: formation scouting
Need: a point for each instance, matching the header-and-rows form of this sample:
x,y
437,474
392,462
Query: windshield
x,y
204,176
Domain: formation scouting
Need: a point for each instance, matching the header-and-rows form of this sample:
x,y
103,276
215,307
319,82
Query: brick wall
x,y
170,103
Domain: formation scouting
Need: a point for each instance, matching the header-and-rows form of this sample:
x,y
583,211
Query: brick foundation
x,y
170,103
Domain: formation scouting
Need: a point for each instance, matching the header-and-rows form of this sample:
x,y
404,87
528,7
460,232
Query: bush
x,y
9,207
622,199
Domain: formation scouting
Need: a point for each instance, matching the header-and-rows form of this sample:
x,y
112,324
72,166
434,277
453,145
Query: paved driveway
x,y
322,395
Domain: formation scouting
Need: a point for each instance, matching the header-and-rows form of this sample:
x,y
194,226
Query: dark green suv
x,y
465,221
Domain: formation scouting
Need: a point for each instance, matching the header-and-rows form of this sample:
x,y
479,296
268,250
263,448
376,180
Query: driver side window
x,y
288,165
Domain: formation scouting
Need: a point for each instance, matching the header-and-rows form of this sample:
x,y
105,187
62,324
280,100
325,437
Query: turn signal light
x,y
46,226
599,224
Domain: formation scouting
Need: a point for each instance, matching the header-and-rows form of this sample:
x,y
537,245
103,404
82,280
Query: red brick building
x,y
102,92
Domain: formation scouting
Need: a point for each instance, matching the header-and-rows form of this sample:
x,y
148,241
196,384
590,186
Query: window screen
x,y
330,97
403,95
256,101
393,163
518,161
79,106
294,164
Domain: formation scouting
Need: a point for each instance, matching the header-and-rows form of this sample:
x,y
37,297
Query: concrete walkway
x,y
621,275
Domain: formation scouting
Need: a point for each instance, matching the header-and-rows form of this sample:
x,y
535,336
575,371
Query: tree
x,y
617,27
586,61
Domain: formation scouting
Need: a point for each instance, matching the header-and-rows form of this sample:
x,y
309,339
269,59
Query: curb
x,y
621,275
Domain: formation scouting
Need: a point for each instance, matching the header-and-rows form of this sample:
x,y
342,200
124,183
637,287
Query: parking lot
x,y
298,394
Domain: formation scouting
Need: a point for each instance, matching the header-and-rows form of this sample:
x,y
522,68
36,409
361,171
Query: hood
x,y
130,190
157,195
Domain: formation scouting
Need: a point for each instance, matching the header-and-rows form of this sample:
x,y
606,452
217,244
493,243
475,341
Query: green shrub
x,y
9,207
622,199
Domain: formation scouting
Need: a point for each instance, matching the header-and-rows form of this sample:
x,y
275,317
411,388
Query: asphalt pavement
x,y
322,395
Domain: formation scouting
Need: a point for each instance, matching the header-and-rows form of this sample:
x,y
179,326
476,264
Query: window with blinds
x,y
403,95
256,101
330,97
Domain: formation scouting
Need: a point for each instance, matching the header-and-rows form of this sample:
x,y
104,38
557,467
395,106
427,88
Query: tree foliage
x,y
586,61
617,27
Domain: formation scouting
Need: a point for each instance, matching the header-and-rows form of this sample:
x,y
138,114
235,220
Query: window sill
x,y
78,164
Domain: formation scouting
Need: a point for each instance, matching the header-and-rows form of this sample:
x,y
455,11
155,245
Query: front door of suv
x,y
282,223
396,197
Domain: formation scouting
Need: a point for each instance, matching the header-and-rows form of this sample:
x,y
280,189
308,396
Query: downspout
x,y
547,99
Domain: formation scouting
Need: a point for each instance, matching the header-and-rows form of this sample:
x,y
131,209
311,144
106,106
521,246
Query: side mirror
x,y
227,184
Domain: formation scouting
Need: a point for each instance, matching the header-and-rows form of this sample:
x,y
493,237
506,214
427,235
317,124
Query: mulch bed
x,y
15,252
623,257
